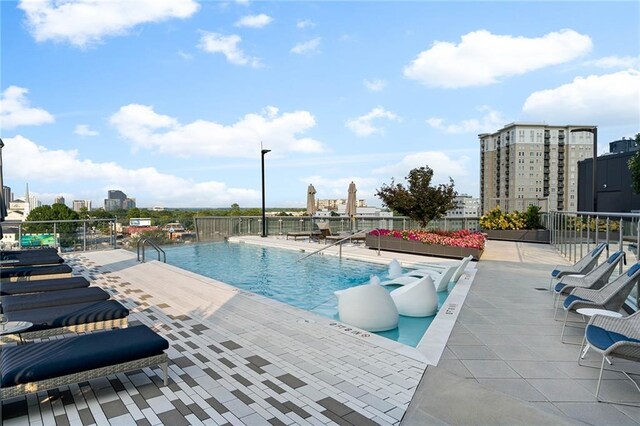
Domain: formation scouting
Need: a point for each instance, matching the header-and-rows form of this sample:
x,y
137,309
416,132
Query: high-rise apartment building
x,y
117,200
466,207
532,163
79,204
58,200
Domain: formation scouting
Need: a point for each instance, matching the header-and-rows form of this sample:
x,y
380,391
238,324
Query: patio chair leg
x,y
564,324
600,379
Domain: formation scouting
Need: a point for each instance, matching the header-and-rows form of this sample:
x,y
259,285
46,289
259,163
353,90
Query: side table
x,y
15,327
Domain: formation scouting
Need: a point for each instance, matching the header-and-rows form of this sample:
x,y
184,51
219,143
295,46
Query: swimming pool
x,y
277,274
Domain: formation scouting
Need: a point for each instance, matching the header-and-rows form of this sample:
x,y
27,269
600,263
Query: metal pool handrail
x,y
144,241
348,237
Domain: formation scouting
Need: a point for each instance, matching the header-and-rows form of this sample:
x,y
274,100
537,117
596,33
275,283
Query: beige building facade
x,y
532,163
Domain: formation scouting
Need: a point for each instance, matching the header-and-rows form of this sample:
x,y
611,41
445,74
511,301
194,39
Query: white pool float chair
x,y
369,307
418,299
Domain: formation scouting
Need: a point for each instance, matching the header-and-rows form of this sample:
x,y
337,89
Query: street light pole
x,y
264,218
594,168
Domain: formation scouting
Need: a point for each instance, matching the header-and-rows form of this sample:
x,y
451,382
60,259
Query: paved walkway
x,y
504,362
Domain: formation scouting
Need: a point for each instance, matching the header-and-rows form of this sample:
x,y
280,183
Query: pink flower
x,y
463,238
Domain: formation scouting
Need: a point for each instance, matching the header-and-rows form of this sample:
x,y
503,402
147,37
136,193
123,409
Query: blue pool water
x,y
276,273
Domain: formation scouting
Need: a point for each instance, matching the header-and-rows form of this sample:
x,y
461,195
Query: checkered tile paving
x,y
241,359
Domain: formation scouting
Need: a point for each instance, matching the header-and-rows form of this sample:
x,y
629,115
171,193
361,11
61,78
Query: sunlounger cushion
x,y
53,298
53,284
66,315
31,258
40,361
602,339
571,298
27,271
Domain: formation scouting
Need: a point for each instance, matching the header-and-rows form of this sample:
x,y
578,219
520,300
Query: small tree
x,y
634,168
420,201
55,212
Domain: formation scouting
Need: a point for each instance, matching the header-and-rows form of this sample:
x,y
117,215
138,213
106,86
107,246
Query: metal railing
x,y
340,241
574,234
218,228
66,235
143,242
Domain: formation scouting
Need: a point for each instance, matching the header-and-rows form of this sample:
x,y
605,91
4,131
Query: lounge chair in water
x,y
611,297
47,299
582,266
369,307
440,279
38,286
418,299
75,318
47,365
32,273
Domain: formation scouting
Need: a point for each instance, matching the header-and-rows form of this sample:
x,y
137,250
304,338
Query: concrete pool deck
x,y
238,358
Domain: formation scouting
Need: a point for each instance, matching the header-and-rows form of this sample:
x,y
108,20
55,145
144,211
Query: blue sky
x,y
169,101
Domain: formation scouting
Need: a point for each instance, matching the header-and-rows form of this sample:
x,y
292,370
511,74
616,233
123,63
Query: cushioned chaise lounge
x,y
303,234
47,365
75,318
582,266
30,258
32,273
22,287
47,299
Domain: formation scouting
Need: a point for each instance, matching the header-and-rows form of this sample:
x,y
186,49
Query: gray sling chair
x,y
613,338
595,279
611,297
582,266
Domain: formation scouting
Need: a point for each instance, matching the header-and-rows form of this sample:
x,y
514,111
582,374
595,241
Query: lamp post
x,y
594,168
264,218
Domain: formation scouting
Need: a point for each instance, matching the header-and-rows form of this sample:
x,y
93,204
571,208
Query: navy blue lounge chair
x,y
23,287
30,258
75,318
46,365
32,273
47,299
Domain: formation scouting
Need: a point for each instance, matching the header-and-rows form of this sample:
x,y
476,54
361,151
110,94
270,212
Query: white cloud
x,y
364,126
28,161
621,62
482,58
305,23
306,47
184,55
375,85
489,122
15,110
228,46
281,132
610,99
84,130
86,22
254,21
443,166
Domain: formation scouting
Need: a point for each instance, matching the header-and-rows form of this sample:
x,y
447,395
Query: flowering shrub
x,y
497,219
462,238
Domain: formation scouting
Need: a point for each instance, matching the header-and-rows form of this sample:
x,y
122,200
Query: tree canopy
x,y
634,168
54,212
420,201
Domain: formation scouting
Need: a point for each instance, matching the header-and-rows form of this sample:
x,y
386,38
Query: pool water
x,y
276,273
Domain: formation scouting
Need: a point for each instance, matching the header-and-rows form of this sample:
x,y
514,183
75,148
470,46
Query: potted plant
x,y
515,226
458,244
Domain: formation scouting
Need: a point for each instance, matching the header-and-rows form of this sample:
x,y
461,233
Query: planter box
x,y
416,247
522,235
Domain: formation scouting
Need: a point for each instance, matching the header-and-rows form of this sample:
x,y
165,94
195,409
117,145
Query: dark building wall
x,y
613,184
